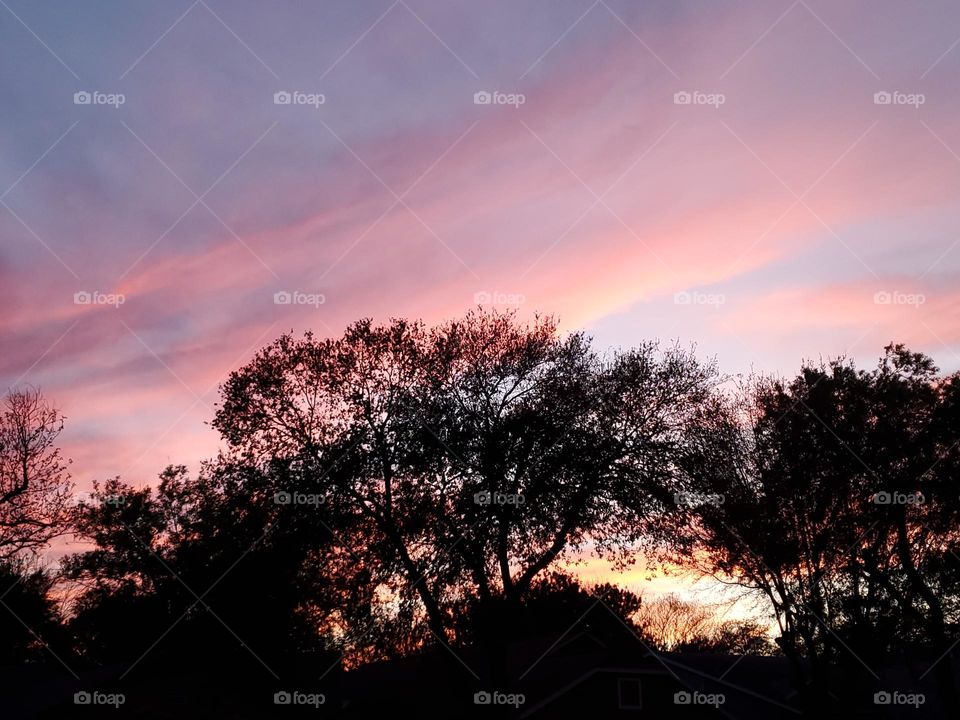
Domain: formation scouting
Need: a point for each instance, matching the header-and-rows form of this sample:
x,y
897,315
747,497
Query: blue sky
x,y
785,212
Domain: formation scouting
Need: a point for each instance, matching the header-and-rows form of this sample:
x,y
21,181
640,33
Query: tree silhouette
x,y
556,604
470,456
35,487
403,485
674,624
208,560
833,495
30,617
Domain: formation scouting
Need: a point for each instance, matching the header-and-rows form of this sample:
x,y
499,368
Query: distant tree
x,y
35,487
677,625
556,604
467,458
741,637
673,623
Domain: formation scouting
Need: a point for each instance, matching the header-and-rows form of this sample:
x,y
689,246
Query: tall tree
x,y
833,495
35,487
469,457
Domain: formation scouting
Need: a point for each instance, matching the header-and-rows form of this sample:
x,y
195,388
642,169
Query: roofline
x,y
569,686
721,681
637,671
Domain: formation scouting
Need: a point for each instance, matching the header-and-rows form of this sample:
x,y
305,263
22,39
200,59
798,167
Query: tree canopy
x,y
402,486
466,458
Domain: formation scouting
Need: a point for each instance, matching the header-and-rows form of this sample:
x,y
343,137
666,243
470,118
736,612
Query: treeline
x,y
403,487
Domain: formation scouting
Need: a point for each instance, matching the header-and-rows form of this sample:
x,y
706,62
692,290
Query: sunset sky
x,y
785,212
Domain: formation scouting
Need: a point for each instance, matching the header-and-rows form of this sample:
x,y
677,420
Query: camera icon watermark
x,y
486,297
895,297
692,499
897,498
298,498
95,297
485,497
714,300
86,97
885,97
898,698
295,697
485,97
514,700
695,97
86,697
296,297
296,97
698,698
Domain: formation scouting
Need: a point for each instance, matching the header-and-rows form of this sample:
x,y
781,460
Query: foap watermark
x,y
685,297
298,498
299,298
486,497
295,697
90,499
897,498
85,97
84,297
895,297
698,698
485,97
885,97
485,297
513,700
296,97
885,697
94,697
692,499
695,97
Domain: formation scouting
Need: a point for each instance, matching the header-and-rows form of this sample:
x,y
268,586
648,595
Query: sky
x,y
181,182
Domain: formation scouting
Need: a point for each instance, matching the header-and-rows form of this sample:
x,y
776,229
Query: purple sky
x,y
784,212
